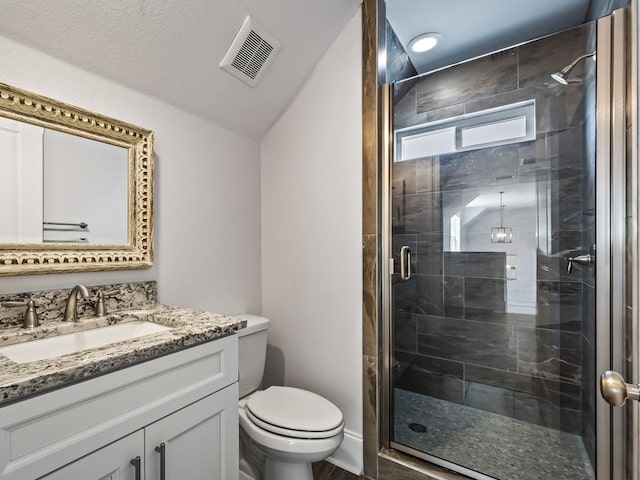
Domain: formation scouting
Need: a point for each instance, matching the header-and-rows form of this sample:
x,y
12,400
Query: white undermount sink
x,y
51,347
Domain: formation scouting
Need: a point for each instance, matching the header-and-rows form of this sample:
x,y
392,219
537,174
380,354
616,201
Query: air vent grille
x,y
251,52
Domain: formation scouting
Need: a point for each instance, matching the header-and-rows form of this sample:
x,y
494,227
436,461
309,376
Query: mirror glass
x,y
62,188
77,190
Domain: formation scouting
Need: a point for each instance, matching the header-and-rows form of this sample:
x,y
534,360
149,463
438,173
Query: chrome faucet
x,y
71,310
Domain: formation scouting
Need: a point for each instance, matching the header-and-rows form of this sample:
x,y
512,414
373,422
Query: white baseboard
x,y
349,454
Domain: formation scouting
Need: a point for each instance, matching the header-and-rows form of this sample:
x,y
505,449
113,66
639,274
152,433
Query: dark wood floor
x,y
327,471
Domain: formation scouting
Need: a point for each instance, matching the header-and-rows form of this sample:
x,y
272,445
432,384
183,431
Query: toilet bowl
x,y
287,453
283,430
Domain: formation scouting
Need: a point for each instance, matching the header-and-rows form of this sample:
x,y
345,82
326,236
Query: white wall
x,y
207,231
312,236
98,173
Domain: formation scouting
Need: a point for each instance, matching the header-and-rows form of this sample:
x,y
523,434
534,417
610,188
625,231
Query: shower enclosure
x,y
500,211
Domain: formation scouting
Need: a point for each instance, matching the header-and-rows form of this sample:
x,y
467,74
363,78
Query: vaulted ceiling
x,y
171,49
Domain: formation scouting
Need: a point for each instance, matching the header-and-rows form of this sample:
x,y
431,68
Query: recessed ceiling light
x,y
425,42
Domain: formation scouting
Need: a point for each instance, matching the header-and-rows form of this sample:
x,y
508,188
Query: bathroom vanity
x,y
160,406
98,398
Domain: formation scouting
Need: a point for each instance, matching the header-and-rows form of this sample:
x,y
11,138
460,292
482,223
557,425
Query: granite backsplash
x,y
51,303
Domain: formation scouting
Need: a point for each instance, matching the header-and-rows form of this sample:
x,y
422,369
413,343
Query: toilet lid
x,y
287,408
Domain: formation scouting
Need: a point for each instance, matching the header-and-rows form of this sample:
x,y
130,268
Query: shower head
x,y
561,76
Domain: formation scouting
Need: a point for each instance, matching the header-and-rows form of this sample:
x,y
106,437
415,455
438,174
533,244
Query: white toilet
x,y
283,430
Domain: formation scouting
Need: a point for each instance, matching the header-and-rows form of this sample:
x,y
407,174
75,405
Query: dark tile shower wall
x,y
453,338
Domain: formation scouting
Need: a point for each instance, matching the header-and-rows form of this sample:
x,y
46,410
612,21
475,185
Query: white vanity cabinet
x,y
186,402
193,443
112,462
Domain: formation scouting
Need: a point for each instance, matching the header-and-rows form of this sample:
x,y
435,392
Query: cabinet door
x,y
112,462
200,441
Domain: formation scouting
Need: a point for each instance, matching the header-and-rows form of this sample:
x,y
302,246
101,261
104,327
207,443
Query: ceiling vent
x,y
251,52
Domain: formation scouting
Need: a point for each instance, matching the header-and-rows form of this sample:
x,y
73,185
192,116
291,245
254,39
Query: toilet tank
x,y
252,351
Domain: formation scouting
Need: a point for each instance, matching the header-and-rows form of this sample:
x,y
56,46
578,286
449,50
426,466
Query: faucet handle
x,y
30,319
101,307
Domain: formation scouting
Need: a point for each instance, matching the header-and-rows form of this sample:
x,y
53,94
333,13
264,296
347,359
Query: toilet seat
x,y
318,448
295,413
302,434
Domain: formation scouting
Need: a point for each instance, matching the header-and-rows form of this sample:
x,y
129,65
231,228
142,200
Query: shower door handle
x,y
405,263
584,260
616,391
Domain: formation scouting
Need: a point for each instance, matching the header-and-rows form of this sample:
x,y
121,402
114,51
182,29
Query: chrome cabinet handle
x,y
161,451
615,390
136,464
405,263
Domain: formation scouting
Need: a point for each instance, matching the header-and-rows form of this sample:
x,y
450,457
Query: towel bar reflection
x,y
66,240
81,225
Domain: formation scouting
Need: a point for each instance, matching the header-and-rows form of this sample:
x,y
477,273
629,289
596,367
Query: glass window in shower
x,y
493,333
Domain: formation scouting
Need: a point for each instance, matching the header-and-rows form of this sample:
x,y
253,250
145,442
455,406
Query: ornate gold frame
x,y
22,259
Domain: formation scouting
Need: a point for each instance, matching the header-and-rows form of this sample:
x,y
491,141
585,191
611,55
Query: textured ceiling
x,y
470,28
171,48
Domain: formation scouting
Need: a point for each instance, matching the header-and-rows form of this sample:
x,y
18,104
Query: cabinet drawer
x,y
43,433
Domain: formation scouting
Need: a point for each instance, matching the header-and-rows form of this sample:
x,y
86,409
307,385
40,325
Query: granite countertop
x,y
188,328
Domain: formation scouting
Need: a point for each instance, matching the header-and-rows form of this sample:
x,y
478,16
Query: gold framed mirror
x,y
77,188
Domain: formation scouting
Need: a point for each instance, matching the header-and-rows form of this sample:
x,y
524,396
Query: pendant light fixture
x,y
501,234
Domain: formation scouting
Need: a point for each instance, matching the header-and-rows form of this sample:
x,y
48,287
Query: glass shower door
x,y
493,235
